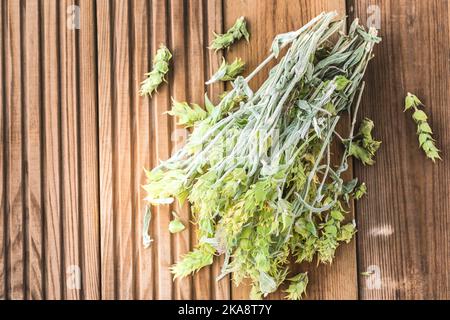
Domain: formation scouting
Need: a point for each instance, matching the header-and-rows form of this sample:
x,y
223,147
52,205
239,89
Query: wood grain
x,y
88,157
195,90
141,133
3,231
214,22
337,281
105,30
178,85
14,136
161,125
122,150
70,156
404,221
51,166
75,137
32,153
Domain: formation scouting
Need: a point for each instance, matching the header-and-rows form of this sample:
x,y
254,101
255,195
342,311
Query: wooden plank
x,y
404,221
105,125
14,186
89,198
70,156
196,44
51,153
3,231
32,176
161,133
178,82
214,22
141,142
122,158
337,281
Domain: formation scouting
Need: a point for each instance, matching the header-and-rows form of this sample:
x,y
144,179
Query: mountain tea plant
x,y
235,33
424,132
156,76
257,169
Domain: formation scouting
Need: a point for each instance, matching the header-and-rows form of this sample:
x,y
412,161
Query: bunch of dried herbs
x,y
257,167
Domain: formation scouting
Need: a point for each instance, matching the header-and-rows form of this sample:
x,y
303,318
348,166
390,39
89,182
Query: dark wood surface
x,y
75,137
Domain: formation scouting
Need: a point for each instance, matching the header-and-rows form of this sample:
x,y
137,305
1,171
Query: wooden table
x,y
75,136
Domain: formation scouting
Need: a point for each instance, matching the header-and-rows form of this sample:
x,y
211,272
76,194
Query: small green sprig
x,y
159,70
187,115
236,32
424,132
363,146
228,72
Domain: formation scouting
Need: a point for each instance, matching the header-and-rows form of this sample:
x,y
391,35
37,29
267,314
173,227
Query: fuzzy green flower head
x,y
159,70
360,191
228,72
412,101
363,146
298,286
187,115
424,132
236,32
193,261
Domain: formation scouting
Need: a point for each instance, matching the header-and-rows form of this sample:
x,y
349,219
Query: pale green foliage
x,y
159,70
257,167
424,132
236,32
363,146
228,72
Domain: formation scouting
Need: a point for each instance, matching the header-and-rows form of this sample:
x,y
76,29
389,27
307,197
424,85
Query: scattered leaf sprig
x,y
157,75
235,33
424,131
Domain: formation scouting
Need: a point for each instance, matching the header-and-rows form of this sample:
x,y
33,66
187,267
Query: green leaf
x,y
424,137
147,240
176,225
260,192
419,115
424,128
411,101
337,215
341,83
209,106
331,230
266,283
